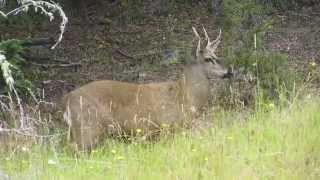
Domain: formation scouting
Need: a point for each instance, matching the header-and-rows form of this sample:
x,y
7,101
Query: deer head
x,y
207,54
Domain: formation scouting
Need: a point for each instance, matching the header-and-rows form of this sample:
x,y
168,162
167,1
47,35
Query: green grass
x,y
272,143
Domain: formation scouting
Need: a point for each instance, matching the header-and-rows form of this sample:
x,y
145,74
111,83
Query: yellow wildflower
x,y
164,125
271,105
313,64
119,157
184,133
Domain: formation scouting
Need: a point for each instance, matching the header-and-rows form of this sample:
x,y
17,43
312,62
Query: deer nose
x,y
229,73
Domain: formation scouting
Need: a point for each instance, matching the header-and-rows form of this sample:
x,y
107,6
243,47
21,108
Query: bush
x,y
245,24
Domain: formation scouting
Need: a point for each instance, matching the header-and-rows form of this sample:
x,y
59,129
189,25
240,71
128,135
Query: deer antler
x,y
214,44
199,42
219,36
211,45
206,34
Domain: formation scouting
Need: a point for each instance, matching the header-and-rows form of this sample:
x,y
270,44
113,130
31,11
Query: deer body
x,y
113,108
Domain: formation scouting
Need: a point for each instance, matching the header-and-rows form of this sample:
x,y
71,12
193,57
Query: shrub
x,y
245,24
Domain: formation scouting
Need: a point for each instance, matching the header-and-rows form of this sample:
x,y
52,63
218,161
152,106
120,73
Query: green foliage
x,y
20,21
238,13
130,11
242,19
245,27
271,69
12,49
273,79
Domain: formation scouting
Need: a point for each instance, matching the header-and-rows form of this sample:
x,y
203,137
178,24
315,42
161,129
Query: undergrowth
x,y
12,50
269,74
274,142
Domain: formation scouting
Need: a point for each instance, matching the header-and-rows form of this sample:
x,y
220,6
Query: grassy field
x,y
271,143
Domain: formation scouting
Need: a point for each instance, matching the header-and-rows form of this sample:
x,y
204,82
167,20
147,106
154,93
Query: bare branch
x,y
46,8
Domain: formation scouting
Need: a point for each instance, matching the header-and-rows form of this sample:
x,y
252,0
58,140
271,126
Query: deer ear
x,y
199,54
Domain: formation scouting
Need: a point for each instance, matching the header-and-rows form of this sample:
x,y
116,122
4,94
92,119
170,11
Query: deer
x,y
111,108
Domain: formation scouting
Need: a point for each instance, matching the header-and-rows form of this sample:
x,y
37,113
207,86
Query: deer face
x,y
207,57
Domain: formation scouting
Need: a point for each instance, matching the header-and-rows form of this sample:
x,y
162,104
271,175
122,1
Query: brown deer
x,y
108,107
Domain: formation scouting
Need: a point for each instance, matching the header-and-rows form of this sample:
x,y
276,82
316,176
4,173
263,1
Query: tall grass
x,y
272,143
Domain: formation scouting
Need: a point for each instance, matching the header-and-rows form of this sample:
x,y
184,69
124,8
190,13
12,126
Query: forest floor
x,y
149,44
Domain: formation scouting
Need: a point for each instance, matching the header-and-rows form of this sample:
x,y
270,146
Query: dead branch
x,y
38,42
125,54
33,58
52,81
57,65
25,132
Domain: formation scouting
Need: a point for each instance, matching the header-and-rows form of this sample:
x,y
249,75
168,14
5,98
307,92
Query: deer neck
x,y
194,85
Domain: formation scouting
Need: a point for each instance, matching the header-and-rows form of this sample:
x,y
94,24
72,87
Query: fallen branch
x,y
57,65
28,57
26,132
125,54
52,81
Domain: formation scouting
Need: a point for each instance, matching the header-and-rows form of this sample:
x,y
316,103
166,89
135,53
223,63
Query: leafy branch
x,y
46,8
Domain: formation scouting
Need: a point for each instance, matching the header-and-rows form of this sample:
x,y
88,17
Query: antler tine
x,y
199,42
219,36
215,45
206,34
195,32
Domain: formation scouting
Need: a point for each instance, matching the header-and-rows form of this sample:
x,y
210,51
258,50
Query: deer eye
x,y
211,60
208,60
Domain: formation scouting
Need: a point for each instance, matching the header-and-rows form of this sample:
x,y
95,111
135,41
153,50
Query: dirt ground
x,y
297,34
152,44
